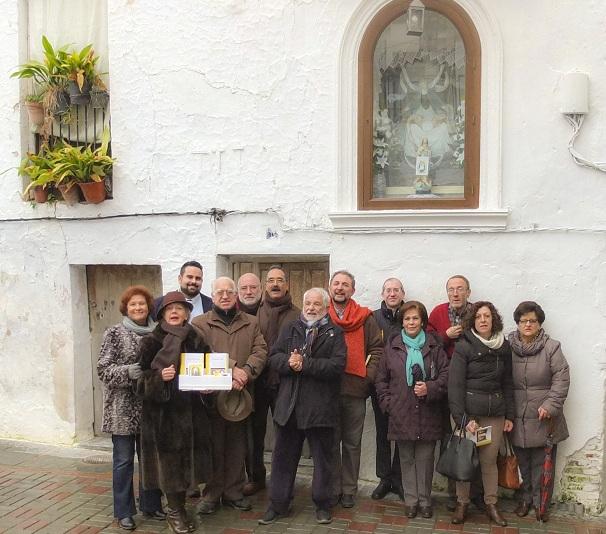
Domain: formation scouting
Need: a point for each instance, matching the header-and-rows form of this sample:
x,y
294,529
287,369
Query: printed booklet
x,y
483,436
209,371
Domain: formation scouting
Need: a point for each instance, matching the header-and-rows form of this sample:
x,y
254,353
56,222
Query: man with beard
x,y
309,356
390,322
364,349
227,329
249,293
275,312
190,282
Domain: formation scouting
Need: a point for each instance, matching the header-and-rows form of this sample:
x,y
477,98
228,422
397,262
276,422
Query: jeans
x,y
122,479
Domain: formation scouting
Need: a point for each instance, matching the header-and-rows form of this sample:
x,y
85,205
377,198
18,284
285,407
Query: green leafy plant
x,y
80,67
39,169
35,98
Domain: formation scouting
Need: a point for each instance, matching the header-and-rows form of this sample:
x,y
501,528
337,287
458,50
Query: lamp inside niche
x,y
416,18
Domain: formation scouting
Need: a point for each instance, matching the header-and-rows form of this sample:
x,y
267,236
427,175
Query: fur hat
x,y
170,298
234,405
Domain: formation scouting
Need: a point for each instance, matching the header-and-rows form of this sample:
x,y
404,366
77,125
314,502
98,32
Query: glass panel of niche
x,y
419,111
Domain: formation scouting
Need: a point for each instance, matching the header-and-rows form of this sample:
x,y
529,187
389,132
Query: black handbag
x,y
459,460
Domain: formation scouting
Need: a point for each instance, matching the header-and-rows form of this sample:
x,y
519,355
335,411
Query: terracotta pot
x,y
35,110
40,194
70,193
94,192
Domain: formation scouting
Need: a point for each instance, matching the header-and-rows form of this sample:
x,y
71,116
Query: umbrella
x,y
546,477
417,375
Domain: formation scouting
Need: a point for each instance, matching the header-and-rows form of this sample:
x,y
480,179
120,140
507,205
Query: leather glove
x,y
134,371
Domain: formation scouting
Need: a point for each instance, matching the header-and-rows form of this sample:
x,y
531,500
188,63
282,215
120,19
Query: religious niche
x,y
419,111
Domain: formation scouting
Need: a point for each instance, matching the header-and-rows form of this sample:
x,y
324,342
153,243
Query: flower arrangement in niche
x,y
458,154
380,141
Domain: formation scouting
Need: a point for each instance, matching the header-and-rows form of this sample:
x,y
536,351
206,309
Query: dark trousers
x,y
229,453
531,460
257,422
388,468
285,460
417,458
176,501
122,479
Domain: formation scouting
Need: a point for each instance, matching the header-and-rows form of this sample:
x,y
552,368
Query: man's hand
x,y
239,378
295,361
454,331
168,373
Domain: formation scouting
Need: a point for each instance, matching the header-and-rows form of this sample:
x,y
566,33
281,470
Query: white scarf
x,y
494,342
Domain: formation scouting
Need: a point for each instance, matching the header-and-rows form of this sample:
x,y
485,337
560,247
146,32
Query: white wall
x,y
233,105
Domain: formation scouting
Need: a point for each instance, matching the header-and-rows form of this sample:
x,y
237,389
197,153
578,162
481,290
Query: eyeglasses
x,y
452,290
275,280
528,321
222,292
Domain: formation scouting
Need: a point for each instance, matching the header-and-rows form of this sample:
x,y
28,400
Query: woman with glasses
x,y
480,388
540,382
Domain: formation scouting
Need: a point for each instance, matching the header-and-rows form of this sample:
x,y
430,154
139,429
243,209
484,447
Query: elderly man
x,y
387,467
275,312
309,356
364,349
249,293
227,329
190,283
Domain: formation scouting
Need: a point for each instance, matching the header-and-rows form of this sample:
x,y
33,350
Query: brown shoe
x,y
178,522
522,509
252,487
493,513
459,513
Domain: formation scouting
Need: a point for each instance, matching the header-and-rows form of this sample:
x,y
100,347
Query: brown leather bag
x,y
509,471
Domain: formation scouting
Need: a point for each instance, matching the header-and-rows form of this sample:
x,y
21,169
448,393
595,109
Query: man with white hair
x,y
227,329
309,356
249,293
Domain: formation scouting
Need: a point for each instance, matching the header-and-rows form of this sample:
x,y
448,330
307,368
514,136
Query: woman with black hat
x,y
175,442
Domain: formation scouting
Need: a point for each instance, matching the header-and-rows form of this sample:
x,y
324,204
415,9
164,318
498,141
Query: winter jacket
x,y
540,379
412,418
389,322
313,393
175,432
479,380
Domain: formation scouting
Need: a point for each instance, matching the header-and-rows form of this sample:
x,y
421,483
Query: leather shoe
x,y
252,487
156,515
522,509
459,514
323,517
239,504
410,511
381,490
426,512
207,507
347,501
271,516
127,523
544,518
178,522
493,513
398,490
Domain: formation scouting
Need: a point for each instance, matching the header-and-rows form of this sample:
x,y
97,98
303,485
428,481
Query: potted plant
x,y
39,169
85,166
80,69
35,109
99,97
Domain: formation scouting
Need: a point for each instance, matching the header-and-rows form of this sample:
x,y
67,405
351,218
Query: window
x,y
419,110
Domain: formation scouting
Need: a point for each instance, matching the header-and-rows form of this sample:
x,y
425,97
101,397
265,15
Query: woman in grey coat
x,y
118,369
540,381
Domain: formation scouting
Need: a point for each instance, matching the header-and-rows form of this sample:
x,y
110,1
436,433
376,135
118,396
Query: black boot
x,y
178,522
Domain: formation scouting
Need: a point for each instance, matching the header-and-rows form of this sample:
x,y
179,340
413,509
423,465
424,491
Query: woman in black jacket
x,y
411,384
480,387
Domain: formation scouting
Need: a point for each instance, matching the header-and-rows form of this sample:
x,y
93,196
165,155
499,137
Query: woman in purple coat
x,y
411,383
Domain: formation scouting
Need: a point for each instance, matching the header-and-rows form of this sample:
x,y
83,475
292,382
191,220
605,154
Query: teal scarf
x,y
414,346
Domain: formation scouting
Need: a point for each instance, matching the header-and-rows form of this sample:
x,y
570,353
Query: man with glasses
x,y
275,312
390,323
227,329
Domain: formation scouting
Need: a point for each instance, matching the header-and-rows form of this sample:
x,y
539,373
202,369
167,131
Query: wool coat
x,y
412,418
313,393
175,432
121,406
541,378
479,380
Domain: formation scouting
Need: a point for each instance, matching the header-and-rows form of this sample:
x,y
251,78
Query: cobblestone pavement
x,y
55,490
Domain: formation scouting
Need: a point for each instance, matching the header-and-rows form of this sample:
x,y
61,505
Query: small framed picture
x,y
422,167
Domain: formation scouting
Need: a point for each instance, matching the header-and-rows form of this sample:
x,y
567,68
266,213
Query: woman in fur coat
x,y
175,437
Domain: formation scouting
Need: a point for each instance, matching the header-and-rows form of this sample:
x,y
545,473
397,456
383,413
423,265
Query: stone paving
x,y
50,490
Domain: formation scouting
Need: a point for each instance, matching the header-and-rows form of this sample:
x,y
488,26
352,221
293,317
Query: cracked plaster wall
x,y
232,104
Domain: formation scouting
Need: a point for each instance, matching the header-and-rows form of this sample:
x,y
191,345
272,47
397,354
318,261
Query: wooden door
x,y
105,284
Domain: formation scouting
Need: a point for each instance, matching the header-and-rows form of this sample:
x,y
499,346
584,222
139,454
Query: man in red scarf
x,y
364,349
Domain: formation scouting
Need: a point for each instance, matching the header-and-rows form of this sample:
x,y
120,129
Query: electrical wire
x,y
576,121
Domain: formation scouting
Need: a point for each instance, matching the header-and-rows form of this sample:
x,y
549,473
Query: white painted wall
x,y
234,105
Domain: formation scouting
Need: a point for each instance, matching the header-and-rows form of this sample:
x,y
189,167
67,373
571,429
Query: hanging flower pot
x,y
35,110
94,192
70,193
99,99
58,103
79,96
40,194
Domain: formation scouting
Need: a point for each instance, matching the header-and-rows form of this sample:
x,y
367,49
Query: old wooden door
x,y
105,284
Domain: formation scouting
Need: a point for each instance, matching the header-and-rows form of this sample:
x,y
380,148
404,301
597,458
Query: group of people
x,y
314,369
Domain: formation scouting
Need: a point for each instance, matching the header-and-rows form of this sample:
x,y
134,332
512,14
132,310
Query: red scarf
x,y
354,317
